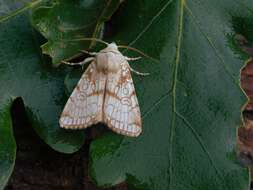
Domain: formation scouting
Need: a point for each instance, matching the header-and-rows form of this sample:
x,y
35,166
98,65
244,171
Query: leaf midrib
x,y
174,88
183,6
175,113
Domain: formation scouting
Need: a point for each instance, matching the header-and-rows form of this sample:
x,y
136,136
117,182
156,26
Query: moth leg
x,y
132,58
87,60
138,73
87,52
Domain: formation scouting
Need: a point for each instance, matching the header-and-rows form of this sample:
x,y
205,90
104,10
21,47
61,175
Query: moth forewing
x,y
84,106
105,93
121,108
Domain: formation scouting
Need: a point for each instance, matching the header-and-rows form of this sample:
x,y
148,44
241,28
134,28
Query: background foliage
x,y
191,103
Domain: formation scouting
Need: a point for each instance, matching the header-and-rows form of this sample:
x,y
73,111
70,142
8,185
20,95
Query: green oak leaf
x,y
64,21
191,102
27,74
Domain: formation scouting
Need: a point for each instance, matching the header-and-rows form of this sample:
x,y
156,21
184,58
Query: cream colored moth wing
x,y
84,106
121,108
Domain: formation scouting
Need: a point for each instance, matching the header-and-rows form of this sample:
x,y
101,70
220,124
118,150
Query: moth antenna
x,y
91,39
140,52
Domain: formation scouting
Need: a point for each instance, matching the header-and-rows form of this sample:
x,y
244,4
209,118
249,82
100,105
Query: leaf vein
x,y
98,24
151,22
210,42
200,141
157,103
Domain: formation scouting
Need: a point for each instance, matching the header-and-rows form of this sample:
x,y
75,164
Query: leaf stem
x,y
20,10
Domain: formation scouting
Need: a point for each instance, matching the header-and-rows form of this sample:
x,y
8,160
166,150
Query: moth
x,y
105,94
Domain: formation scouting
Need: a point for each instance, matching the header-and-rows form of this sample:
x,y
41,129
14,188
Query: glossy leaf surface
x,y
27,73
191,103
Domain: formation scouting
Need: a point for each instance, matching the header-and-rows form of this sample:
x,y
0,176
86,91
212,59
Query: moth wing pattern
x,y
84,106
121,108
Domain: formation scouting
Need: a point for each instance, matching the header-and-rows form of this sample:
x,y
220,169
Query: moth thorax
x,y
109,62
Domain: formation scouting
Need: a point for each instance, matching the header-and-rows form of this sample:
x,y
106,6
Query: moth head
x,y
112,47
